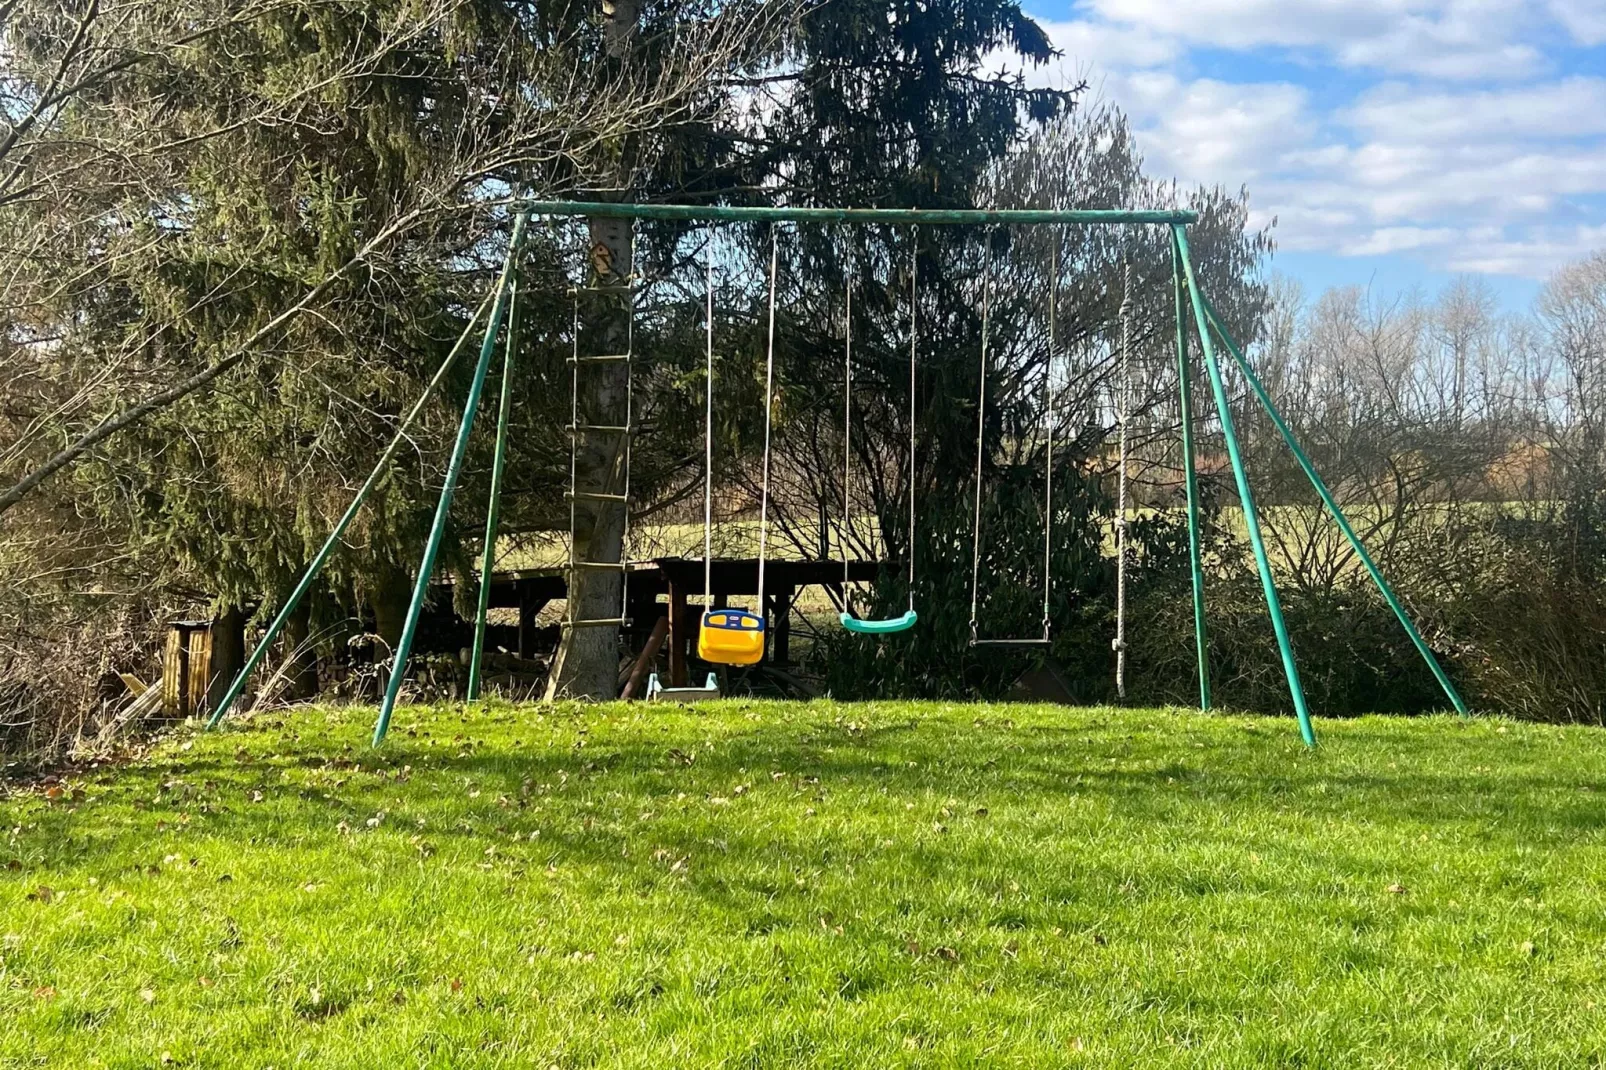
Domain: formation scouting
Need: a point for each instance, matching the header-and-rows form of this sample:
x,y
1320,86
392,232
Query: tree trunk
x,y
587,662
389,593
228,654
301,670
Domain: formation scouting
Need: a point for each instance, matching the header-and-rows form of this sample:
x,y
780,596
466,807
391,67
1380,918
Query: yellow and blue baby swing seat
x,y
731,637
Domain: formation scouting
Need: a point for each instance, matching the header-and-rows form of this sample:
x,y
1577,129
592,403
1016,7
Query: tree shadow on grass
x,y
1024,778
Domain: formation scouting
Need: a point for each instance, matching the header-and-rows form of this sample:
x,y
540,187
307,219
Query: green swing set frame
x,y
500,306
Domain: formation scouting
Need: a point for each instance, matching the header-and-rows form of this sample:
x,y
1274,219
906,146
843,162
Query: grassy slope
x,y
767,884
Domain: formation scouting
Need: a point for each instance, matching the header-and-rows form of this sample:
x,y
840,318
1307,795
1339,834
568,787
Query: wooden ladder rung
x,y
594,496
599,622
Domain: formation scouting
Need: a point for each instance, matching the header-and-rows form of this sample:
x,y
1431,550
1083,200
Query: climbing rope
x,y
1123,405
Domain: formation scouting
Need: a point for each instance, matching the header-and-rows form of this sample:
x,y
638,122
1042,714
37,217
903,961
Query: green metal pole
x,y
1251,519
454,469
492,514
1191,480
381,469
1332,507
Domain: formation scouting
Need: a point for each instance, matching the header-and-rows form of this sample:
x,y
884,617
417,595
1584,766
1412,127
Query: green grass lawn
x,y
767,884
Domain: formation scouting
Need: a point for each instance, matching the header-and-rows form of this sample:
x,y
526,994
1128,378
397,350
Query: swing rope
x,y
727,636
847,443
769,397
708,440
1123,406
1049,416
981,426
849,621
914,306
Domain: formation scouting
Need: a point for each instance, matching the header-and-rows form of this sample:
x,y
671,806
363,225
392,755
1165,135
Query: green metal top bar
x,y
721,213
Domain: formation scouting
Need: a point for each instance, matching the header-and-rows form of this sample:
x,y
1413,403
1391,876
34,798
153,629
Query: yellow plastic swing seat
x,y
731,637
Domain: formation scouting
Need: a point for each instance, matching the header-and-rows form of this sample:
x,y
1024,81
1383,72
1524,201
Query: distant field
x,y
767,884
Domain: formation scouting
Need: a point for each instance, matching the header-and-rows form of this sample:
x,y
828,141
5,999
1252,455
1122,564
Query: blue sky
x,y
1396,142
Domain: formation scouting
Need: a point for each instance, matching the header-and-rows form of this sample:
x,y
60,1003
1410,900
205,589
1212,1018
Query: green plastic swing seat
x,y
880,627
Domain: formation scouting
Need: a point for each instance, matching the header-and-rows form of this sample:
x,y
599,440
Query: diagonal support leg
x,y
381,469
1320,485
1251,518
454,469
493,510
1191,480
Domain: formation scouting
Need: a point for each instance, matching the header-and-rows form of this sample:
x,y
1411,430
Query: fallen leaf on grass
x,y
46,992
1397,889
1527,948
947,954
42,894
457,984
147,995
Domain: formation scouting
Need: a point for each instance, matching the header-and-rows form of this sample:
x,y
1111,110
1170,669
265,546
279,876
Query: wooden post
x,y
638,673
529,606
783,625
679,627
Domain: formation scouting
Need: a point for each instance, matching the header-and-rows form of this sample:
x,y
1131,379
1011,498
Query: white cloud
x,y
1208,131
1112,47
1584,19
1387,240
1535,254
1456,39
1507,176
1569,108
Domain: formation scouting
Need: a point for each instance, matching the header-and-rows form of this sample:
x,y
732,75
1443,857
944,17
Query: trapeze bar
x,y
716,213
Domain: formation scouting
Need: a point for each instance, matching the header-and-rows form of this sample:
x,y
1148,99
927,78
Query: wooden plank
x,y
175,672
198,673
638,672
739,576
